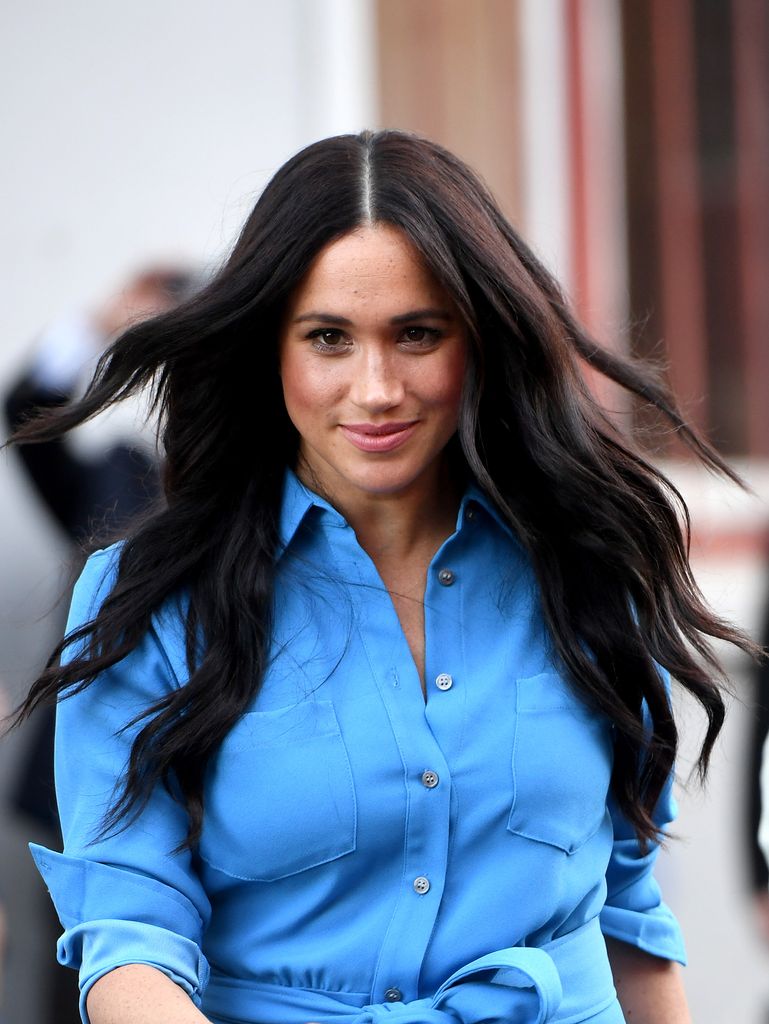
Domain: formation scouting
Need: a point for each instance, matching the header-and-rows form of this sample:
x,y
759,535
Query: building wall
x,y
632,150
697,156
447,69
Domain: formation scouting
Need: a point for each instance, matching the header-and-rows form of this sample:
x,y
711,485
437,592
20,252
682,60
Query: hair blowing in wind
x,y
607,534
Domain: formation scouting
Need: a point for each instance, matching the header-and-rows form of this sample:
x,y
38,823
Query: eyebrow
x,y
403,318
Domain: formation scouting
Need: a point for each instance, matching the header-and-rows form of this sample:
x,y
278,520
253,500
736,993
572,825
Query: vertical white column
x,y
545,158
338,60
604,179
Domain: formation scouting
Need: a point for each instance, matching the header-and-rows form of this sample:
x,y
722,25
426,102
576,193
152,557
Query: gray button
x,y
393,995
444,681
421,885
446,577
430,779
471,513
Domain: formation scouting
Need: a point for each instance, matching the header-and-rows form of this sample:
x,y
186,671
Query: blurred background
x,y
628,140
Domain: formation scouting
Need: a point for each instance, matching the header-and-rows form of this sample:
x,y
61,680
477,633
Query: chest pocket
x,y
562,762
280,796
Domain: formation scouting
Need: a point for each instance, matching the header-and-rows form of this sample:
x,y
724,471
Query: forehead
x,y
374,263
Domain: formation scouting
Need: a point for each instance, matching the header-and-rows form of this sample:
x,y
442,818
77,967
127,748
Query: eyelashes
x,y
326,339
427,335
332,339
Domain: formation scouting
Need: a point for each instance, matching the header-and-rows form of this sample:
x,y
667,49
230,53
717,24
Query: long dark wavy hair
x,y
607,534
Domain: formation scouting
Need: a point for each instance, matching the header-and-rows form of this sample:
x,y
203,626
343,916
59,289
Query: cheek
x,y
307,388
444,388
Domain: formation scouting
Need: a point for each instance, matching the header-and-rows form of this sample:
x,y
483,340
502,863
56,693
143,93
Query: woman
x,y
369,718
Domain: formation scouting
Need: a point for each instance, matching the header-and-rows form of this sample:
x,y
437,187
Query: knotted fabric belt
x,y
563,981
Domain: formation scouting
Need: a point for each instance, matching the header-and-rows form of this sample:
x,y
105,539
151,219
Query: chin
x,y
382,485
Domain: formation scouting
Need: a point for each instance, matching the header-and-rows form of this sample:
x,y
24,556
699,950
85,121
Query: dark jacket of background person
x,y
82,495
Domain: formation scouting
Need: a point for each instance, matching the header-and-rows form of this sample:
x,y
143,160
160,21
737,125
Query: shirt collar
x,y
474,496
299,500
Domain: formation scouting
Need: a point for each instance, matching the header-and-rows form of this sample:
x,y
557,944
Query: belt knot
x,y
517,985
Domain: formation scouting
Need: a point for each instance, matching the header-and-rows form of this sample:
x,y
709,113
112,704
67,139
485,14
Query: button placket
x,y
429,779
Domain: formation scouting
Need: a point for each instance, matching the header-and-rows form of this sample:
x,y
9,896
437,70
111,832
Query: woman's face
x,y
372,358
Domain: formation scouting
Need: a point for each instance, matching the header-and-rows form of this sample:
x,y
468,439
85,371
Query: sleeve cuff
x,y
98,947
113,916
654,930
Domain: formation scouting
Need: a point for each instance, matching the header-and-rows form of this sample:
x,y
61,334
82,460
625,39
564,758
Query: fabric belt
x,y
563,981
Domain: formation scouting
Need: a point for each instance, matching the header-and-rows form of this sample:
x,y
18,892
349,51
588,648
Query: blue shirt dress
x,y
366,853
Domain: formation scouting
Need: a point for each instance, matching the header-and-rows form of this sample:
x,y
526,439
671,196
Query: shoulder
x,y
94,585
96,580
164,643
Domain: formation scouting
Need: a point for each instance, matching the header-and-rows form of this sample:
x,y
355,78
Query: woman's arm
x,y
132,895
139,994
650,990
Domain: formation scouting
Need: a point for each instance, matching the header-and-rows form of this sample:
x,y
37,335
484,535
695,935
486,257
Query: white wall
x,y
140,129
545,153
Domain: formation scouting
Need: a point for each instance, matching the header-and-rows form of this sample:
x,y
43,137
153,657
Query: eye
x,y
328,339
421,336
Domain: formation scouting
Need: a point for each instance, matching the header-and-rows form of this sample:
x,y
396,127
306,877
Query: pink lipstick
x,y
381,437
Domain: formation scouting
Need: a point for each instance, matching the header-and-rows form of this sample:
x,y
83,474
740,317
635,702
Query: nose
x,y
377,384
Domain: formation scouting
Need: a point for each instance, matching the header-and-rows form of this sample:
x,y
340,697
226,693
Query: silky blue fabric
x,y
363,846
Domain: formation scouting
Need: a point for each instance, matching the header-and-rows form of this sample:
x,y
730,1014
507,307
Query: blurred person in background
x,y
372,714
92,485
756,832
96,483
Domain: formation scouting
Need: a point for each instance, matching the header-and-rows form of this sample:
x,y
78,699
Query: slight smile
x,y
383,437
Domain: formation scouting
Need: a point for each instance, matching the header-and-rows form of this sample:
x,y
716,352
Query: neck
x,y
396,526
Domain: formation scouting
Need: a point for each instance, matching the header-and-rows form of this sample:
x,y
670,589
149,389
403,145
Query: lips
x,y
378,437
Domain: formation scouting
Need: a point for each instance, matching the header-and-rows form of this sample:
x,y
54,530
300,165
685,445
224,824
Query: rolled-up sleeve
x,y
124,897
635,911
